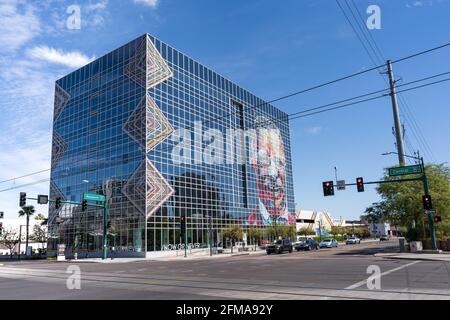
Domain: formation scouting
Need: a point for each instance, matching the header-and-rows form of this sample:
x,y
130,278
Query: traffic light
x,y
58,203
437,219
108,224
84,205
1,228
328,188
360,184
427,205
23,199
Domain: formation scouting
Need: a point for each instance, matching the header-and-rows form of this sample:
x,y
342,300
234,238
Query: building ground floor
x,y
155,241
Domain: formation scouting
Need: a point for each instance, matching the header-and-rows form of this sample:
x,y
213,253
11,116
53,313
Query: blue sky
x,y
271,48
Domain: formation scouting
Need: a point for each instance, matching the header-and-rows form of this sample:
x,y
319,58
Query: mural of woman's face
x,y
270,166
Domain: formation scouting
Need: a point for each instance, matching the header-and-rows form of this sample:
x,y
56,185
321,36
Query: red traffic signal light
x,y
426,200
360,184
328,188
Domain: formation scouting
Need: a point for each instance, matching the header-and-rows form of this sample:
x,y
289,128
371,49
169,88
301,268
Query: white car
x,y
328,243
353,240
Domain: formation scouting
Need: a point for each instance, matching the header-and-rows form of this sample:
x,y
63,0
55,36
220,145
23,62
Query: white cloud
x,y
101,5
420,3
313,130
150,3
18,25
73,59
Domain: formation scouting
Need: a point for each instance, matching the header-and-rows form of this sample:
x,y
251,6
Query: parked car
x,y
353,240
279,246
384,238
308,244
328,243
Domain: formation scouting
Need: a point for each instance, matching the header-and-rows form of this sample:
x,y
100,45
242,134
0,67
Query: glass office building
x,y
164,138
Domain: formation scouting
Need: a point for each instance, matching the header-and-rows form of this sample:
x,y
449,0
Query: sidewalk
x,y
416,256
169,258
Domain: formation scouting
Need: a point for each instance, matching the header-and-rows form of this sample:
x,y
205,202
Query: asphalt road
x,y
338,273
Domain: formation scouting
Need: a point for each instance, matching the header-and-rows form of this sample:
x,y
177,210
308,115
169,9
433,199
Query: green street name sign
x,y
401,171
94,197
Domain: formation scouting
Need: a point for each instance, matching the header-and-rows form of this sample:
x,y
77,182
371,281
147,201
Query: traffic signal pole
x,y
103,206
429,212
105,230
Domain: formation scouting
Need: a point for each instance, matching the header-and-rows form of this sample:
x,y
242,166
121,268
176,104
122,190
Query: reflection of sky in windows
x,y
102,99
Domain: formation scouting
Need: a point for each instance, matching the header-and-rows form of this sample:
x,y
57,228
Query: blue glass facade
x,y
163,136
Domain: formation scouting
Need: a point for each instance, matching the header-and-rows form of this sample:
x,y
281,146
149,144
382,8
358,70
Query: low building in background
x,y
318,223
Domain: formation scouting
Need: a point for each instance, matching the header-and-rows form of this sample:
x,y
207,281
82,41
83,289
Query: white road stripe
x,y
361,283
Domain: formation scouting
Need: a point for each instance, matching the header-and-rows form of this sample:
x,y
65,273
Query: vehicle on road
x,y
353,240
384,238
279,246
328,243
308,244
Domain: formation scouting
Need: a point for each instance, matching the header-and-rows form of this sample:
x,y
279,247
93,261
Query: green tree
x,y
39,234
335,231
255,234
287,231
27,211
401,203
234,233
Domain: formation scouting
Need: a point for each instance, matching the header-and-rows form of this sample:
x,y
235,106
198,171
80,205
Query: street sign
x,y
94,197
340,184
401,171
42,199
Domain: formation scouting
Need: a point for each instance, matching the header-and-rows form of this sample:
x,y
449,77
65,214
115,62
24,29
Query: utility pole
x,y
398,127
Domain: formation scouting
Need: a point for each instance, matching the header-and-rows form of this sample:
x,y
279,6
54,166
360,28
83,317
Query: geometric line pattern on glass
x,y
55,192
136,68
151,186
157,69
148,126
158,189
134,188
59,147
158,127
61,99
135,126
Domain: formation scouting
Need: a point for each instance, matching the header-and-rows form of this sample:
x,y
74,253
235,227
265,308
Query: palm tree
x,y
43,220
27,211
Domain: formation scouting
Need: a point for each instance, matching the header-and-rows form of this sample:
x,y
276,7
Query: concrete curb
x,y
435,257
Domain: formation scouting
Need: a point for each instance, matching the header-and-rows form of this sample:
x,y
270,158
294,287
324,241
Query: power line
x,y
309,112
414,126
25,185
285,96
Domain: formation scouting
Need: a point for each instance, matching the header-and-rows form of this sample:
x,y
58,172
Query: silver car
x,y
328,243
353,240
